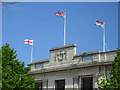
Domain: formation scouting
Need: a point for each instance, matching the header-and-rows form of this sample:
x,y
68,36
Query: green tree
x,y
13,71
115,71
114,81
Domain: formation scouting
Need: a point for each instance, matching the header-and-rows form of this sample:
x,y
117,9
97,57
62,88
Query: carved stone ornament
x,y
59,56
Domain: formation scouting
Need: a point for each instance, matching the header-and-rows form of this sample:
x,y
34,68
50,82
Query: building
x,y
66,69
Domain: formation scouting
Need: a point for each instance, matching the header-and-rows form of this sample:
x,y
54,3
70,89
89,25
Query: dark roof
x,y
57,48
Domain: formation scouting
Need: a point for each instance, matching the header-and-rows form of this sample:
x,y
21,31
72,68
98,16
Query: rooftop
x,y
39,62
65,58
62,47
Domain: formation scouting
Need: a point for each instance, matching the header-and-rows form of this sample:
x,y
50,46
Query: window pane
x,y
38,86
87,83
60,85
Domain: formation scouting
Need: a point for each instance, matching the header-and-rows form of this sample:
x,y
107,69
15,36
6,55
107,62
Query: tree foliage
x,y
13,71
114,81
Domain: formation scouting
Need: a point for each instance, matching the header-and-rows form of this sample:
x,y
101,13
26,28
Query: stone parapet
x,y
63,47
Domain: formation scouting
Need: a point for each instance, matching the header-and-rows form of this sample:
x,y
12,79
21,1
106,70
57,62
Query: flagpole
x,y
104,38
64,27
31,53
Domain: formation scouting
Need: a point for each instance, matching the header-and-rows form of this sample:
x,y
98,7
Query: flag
x,y
60,14
98,23
27,41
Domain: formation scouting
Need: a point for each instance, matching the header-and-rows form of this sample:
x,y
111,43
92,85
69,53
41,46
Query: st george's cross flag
x,y
98,23
27,41
60,14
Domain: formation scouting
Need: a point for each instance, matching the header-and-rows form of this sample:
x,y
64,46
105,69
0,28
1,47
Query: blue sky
x,y
37,21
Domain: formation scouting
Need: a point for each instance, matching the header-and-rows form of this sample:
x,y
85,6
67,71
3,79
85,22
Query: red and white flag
x,y
60,14
27,41
98,23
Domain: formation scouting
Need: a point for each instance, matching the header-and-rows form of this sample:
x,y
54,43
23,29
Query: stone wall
x,y
60,64
66,56
72,77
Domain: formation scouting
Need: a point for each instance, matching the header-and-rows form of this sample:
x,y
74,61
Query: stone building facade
x,y
66,69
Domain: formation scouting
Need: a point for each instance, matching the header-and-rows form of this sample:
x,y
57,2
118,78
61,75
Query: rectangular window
x,y
60,85
88,58
87,83
38,85
37,66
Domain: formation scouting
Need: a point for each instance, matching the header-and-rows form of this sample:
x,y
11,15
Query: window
x,y
60,85
38,86
38,66
89,58
87,83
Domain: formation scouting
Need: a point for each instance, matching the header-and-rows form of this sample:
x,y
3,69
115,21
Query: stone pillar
x,y
75,83
79,83
95,77
69,83
45,84
51,84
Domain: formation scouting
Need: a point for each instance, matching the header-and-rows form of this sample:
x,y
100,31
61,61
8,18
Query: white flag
x,y
27,41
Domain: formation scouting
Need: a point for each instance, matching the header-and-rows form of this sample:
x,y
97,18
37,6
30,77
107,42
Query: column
x,y
45,84
75,83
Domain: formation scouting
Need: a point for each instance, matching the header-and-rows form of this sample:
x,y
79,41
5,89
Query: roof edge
x,y
39,62
62,47
87,53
